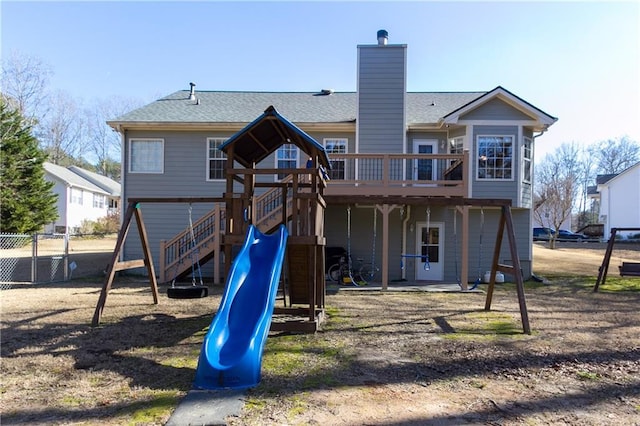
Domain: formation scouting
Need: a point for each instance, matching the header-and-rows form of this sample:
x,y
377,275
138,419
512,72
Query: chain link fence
x,y
34,258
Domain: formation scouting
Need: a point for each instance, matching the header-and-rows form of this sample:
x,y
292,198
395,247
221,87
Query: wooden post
x,y
218,245
494,263
122,235
148,259
514,269
114,265
464,270
604,268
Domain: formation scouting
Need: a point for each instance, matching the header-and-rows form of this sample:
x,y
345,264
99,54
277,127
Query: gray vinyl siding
x,y
496,188
381,98
185,167
481,253
185,175
495,109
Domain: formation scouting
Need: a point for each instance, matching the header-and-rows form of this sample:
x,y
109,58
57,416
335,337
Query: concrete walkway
x,y
202,407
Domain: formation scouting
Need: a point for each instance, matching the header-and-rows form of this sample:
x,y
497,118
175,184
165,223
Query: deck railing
x,y
398,174
362,174
178,254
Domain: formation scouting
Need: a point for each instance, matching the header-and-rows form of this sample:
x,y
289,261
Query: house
x,y
415,155
618,199
82,195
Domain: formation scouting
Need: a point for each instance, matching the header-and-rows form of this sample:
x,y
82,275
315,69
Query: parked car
x,y
564,235
542,234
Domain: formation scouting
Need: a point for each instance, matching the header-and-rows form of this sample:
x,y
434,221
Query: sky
x,y
577,61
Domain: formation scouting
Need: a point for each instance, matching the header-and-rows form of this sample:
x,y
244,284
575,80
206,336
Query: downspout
x,y
123,172
542,132
404,241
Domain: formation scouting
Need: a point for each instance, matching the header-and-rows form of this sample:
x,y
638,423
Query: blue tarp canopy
x,y
266,134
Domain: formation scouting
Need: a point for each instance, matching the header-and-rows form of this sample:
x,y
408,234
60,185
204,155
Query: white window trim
x,y
80,197
98,199
131,141
346,151
513,159
528,140
298,150
453,141
208,159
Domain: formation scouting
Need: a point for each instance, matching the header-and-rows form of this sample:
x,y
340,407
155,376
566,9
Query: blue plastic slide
x,y
231,355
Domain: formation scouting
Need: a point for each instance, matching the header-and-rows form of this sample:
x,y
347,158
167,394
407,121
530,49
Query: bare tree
x,y
615,155
587,173
60,130
25,80
558,178
103,142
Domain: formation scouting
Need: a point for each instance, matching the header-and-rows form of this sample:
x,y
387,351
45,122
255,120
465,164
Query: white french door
x,y
424,169
430,246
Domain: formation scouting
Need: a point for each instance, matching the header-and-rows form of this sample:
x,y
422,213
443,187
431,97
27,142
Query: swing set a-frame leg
x,y
514,269
115,265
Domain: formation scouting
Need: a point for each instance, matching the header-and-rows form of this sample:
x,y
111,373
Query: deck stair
x,y
177,256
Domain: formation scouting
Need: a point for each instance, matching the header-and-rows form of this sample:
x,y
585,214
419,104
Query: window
x,y
286,158
338,166
76,196
527,155
146,156
98,201
216,159
495,157
456,145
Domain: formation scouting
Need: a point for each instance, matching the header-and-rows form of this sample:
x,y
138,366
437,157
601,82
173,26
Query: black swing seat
x,y
630,269
187,292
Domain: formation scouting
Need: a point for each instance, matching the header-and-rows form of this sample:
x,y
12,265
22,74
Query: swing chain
x,y
349,238
194,251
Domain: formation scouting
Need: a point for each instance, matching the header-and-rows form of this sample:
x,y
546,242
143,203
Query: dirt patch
x,y
390,358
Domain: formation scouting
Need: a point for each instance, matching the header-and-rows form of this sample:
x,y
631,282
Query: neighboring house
x,y
82,195
108,184
546,222
618,198
381,141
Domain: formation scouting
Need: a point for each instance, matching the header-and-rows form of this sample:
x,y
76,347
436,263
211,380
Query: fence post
x,y
65,263
34,258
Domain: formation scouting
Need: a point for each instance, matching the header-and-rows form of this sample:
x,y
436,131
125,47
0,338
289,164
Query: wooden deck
x,y
434,175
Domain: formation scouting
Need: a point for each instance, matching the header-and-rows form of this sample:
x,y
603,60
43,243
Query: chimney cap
x,y
383,35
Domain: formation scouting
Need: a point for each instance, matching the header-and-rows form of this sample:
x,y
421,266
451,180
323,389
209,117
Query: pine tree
x,y
27,202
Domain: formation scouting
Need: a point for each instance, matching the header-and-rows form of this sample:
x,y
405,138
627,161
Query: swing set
x,y
627,269
505,229
134,212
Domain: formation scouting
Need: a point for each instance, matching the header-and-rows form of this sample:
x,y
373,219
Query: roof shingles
x,y
298,107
